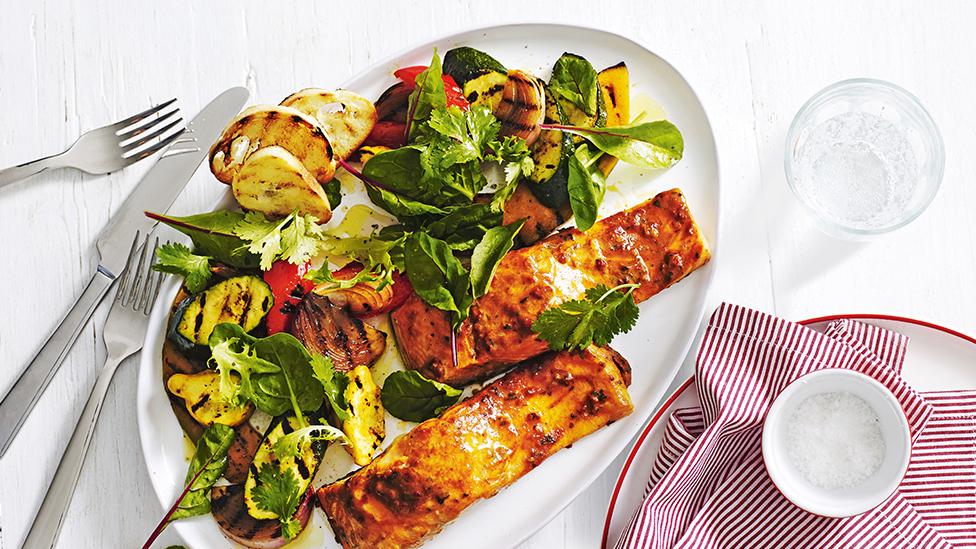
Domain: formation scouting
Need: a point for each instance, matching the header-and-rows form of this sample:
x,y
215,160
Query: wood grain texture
x,y
67,67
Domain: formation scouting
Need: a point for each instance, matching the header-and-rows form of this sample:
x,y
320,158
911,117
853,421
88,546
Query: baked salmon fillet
x,y
655,245
430,475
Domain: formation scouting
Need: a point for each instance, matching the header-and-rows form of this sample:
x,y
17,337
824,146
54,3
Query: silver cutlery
x,y
124,332
157,191
110,148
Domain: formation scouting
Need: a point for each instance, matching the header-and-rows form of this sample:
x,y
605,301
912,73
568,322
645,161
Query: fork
x,y
109,148
123,334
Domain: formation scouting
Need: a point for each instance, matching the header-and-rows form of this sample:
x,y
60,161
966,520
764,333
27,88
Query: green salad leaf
x,y
430,187
300,440
276,372
428,94
437,275
208,464
653,145
412,397
575,79
489,253
333,383
587,186
213,235
250,240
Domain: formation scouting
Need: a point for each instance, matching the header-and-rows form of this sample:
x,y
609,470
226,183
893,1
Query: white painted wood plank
x,y
66,67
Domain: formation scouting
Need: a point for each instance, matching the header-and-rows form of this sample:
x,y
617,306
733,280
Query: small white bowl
x,y
838,502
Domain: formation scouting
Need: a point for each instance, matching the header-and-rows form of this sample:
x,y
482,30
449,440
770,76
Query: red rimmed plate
x,y
938,359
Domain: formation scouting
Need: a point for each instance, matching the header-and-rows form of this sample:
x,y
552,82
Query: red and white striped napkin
x,y
709,488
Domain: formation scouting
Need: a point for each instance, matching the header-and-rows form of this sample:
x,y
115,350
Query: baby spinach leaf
x,y
575,79
489,253
333,191
397,170
410,396
295,385
213,235
653,145
465,226
276,371
587,185
428,94
436,275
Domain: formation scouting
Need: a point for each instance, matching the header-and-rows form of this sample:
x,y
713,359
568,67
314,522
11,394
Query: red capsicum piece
x,y
455,96
392,134
289,286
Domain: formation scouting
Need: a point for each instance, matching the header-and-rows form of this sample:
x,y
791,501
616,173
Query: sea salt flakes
x,y
834,440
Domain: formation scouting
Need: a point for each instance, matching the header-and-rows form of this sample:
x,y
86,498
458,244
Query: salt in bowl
x,y
838,419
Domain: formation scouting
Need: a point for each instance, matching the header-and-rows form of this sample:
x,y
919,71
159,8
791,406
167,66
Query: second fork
x,y
109,148
123,334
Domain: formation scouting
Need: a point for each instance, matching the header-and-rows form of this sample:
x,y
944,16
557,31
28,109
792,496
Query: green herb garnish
x,y
175,258
296,238
277,492
579,323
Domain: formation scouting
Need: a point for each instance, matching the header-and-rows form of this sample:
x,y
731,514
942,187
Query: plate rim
x,y
714,190
689,384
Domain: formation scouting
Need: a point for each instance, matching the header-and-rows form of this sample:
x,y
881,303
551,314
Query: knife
x,y
157,190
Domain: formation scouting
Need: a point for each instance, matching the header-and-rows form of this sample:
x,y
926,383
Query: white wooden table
x,y
66,67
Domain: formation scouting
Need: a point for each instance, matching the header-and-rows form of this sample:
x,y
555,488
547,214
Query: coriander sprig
x,y
594,320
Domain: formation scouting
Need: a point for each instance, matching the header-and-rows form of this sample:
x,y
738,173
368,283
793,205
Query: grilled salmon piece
x,y
430,475
654,244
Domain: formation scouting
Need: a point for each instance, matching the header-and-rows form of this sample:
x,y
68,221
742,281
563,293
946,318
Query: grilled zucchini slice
x,y
303,465
481,77
551,152
615,82
243,300
203,401
366,425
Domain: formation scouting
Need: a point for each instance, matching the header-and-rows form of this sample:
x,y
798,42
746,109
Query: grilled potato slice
x,y
264,126
274,182
346,117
